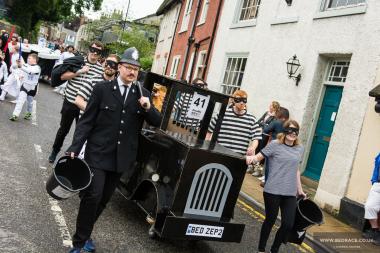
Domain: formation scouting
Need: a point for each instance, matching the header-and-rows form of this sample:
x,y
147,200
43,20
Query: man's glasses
x,y
200,85
95,50
131,68
239,100
111,64
292,130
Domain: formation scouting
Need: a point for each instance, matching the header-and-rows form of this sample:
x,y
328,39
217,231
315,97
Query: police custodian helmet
x,y
131,56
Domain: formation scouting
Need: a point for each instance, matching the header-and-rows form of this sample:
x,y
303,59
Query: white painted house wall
x,y
165,38
279,32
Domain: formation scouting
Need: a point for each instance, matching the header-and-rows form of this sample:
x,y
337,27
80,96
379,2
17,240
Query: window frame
x,y
223,86
324,12
330,65
202,53
325,3
237,23
186,16
175,64
203,16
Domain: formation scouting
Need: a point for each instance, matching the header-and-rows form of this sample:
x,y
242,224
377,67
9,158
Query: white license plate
x,y
204,230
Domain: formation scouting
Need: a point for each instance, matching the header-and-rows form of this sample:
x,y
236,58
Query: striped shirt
x,y
87,86
181,107
237,131
95,74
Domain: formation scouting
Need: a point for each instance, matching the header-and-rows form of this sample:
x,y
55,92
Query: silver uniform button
x,y
123,111
121,132
122,122
114,87
118,142
106,107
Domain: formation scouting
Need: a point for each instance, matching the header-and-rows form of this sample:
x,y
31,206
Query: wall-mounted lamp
x,y
375,92
377,106
293,65
289,2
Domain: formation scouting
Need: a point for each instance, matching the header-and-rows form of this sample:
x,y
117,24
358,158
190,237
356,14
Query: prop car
x,y
187,186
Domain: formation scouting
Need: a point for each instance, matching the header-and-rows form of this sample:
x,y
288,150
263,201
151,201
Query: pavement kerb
x,y
261,208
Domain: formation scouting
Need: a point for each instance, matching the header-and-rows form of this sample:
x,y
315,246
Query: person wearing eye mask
x,y
110,71
282,184
92,70
84,93
239,130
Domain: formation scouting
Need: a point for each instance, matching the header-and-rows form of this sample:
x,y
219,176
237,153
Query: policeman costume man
x,y
111,124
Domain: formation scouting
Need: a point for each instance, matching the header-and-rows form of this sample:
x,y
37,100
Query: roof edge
x,y
166,5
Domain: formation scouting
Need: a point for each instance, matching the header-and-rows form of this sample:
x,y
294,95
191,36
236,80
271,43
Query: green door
x,y
323,132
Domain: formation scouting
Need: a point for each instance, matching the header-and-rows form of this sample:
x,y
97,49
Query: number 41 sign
x,y
198,106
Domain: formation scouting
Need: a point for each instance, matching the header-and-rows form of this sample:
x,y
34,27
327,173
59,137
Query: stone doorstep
x,y
252,192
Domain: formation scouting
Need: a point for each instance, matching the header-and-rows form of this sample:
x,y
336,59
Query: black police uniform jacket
x,y
111,127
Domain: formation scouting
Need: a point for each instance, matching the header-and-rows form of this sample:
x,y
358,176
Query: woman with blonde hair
x,y
269,115
282,184
267,118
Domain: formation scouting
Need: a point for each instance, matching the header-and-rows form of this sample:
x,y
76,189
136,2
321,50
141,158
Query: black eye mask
x,y
238,100
290,130
95,50
111,64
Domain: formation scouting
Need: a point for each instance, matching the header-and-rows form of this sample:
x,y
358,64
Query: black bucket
x,y
68,178
307,214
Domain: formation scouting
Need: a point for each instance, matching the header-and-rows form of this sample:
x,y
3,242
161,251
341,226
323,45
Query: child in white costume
x,y
3,68
31,73
13,83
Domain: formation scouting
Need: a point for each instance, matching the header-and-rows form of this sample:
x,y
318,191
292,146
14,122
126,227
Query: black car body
x,y
186,185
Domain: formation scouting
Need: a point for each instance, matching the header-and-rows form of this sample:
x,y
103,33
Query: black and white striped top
x,y
237,131
181,107
95,74
87,86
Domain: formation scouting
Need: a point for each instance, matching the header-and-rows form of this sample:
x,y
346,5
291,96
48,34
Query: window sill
x,y
242,24
201,23
341,12
282,21
183,31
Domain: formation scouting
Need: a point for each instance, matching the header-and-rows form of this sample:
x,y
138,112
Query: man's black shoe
x,y
376,238
53,156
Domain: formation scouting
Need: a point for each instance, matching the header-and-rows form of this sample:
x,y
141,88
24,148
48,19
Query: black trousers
x,y
287,205
93,201
69,113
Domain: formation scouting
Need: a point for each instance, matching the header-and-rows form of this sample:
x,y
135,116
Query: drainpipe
x,y
212,39
190,40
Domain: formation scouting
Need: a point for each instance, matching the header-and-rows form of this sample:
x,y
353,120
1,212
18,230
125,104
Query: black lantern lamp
x,y
293,65
289,2
377,106
375,92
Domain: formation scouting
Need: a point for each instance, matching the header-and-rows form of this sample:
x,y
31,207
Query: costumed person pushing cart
x,y
111,124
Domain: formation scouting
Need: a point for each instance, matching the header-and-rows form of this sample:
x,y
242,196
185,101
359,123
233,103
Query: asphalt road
x,y
31,221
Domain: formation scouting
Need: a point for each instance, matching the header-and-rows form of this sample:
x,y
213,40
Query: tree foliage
x,y
134,35
27,13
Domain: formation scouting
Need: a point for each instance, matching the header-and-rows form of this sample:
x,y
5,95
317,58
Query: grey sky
x,y
137,8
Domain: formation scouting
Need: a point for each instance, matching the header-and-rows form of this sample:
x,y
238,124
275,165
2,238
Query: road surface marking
x,y
54,206
260,217
34,113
